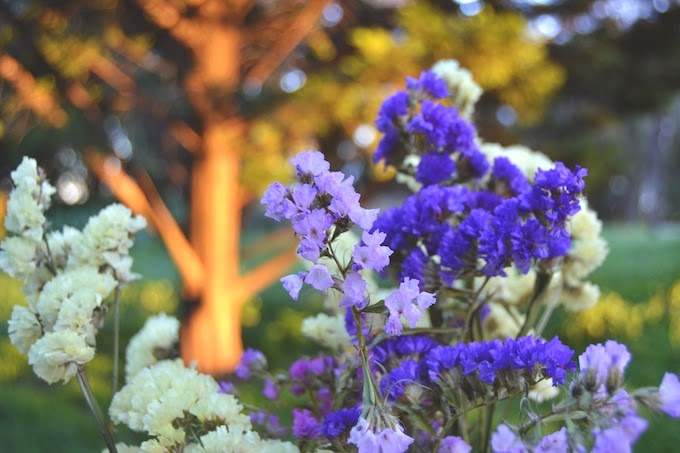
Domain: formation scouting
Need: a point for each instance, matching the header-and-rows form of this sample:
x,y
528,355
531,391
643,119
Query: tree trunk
x,y
212,334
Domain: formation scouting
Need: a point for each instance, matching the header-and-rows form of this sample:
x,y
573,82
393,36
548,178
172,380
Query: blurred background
x,y
185,110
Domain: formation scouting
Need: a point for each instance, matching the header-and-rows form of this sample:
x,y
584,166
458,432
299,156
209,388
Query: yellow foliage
x,y
614,316
14,363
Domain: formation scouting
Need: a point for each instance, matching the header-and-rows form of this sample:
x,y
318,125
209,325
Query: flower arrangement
x,y
490,243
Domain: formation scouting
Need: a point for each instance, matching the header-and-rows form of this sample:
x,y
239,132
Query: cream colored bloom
x,y
18,257
463,90
30,178
159,392
221,408
502,322
588,249
154,342
580,297
24,329
25,217
84,282
232,439
107,239
328,331
61,244
56,356
543,391
527,160
77,314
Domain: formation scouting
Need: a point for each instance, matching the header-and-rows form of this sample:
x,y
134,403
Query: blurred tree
x,y
194,73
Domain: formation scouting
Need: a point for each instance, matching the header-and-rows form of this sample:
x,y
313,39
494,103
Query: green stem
x,y
487,415
116,340
94,409
542,283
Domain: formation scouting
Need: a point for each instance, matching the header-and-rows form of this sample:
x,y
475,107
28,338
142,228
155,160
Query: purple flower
x,y
274,201
299,369
251,361
270,390
354,288
314,227
309,162
339,422
429,83
372,255
293,283
319,277
400,303
435,167
363,437
556,442
669,394
393,440
453,444
305,426
228,388
602,366
509,180
504,440
621,436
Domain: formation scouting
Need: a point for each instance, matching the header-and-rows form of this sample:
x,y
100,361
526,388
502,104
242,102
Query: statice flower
x,y
252,361
305,425
56,356
602,367
338,423
387,440
669,395
453,444
327,331
157,340
407,301
504,440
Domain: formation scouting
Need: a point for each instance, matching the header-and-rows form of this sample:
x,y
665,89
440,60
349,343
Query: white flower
x,y
588,249
220,407
56,356
107,239
24,215
580,297
18,257
152,446
76,314
543,390
61,244
124,448
232,439
81,283
153,342
328,331
278,446
157,393
29,177
24,329
463,90
502,322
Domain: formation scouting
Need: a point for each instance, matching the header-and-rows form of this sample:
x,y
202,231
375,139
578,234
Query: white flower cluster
x,y
65,291
463,89
167,398
156,341
107,240
327,331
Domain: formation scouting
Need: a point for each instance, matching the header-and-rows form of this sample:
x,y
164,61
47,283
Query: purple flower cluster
x,y
504,440
338,423
386,440
252,361
481,232
602,367
510,362
413,123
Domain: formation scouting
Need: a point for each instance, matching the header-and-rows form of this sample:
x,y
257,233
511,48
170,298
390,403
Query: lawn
x,y
643,266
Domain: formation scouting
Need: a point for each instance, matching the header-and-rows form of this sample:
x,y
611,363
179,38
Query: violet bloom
x,y
270,390
354,288
620,437
453,444
305,426
430,83
274,201
251,361
309,162
556,442
372,254
401,303
602,366
228,388
293,284
504,440
669,394
339,422
319,277
387,440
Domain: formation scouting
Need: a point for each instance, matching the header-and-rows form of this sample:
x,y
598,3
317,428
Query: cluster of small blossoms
x,y
611,421
67,275
183,410
322,206
481,227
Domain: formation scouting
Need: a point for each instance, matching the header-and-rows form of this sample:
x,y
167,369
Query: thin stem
x,y
116,340
487,414
94,409
542,283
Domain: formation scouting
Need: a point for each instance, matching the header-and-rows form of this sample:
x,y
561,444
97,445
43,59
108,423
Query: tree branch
x,y
166,16
301,26
126,189
265,274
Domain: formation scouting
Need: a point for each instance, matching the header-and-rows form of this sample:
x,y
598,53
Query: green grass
x,y
35,417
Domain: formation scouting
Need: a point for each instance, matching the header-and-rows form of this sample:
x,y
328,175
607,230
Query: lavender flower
x,y
602,367
401,303
339,422
504,440
251,361
453,444
556,442
305,426
669,394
